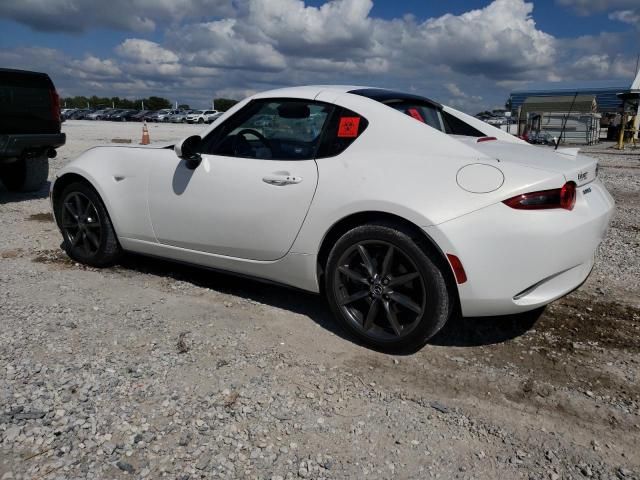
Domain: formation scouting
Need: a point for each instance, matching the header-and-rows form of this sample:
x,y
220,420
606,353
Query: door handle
x,y
281,180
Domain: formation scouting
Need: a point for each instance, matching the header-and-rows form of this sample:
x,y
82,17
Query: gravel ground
x,y
151,370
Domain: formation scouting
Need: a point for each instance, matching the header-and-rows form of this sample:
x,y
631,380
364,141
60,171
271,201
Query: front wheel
x,y
86,228
384,288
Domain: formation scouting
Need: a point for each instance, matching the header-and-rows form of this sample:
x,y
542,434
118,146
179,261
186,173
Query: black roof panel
x,y
383,95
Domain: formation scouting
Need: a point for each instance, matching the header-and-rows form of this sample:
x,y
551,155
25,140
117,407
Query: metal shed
x,y
547,115
606,95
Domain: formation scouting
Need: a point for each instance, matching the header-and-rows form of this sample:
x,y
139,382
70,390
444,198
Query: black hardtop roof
x,y
383,95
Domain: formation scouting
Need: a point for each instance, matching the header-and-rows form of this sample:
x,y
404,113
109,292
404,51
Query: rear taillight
x,y
55,105
564,197
568,196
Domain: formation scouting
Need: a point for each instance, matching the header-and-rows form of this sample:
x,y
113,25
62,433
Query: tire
x,y
201,120
398,308
25,175
88,237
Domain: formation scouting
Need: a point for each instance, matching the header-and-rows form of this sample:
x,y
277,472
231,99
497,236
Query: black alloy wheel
x,y
380,289
385,289
87,232
81,225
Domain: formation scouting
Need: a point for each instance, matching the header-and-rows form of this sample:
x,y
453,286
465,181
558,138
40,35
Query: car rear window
x,y
421,109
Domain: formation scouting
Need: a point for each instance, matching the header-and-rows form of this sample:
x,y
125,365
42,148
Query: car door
x,y
250,193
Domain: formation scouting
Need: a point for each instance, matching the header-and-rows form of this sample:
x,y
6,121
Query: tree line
x,y
150,103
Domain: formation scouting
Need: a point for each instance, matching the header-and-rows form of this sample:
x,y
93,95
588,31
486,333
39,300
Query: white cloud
x,y
588,7
632,17
219,44
94,66
128,15
454,89
500,41
336,29
263,44
594,65
145,51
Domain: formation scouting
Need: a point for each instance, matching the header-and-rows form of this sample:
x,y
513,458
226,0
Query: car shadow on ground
x,y
291,299
12,197
479,331
458,332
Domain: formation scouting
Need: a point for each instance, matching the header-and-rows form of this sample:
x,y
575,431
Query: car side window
x,y
342,129
276,129
422,112
455,126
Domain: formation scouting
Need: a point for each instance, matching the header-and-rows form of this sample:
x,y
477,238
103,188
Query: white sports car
x,y
399,209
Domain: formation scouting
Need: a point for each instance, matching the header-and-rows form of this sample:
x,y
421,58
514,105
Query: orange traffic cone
x,y
146,140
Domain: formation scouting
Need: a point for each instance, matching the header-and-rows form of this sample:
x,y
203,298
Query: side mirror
x,y
188,149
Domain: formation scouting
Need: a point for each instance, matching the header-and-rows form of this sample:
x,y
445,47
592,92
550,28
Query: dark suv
x,y
29,128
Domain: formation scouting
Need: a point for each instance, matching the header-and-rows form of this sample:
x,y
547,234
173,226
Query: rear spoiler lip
x,y
568,152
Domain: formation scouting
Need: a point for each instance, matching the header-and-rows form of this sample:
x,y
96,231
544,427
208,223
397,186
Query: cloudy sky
x,y
469,54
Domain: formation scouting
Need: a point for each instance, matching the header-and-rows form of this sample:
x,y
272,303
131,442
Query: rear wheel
x,y
384,289
86,228
25,175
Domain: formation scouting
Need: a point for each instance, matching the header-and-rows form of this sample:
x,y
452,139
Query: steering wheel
x,y
253,132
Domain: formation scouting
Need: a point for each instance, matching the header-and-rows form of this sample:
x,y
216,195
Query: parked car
x,y
212,118
140,116
163,115
98,114
179,117
67,113
123,115
80,114
152,116
112,113
29,128
401,211
541,138
200,116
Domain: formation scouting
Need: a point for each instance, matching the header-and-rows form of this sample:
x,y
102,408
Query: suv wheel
x,y
25,175
86,228
385,290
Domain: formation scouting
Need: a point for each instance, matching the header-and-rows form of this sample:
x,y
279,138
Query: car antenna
x,y
566,118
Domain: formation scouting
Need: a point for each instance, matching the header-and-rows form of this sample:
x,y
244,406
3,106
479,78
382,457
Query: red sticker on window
x,y
415,114
348,127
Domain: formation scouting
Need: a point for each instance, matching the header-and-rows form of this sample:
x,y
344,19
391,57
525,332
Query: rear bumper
x,y
519,260
15,145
